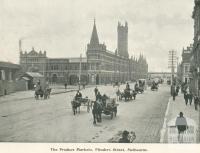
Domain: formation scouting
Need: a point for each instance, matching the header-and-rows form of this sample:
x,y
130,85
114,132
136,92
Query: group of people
x,y
189,96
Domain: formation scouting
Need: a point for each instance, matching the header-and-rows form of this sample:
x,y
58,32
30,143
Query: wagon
x,y
110,108
77,102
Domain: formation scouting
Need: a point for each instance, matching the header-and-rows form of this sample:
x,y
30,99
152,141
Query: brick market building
x,y
100,65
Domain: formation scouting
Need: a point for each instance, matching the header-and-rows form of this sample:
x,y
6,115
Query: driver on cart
x,y
78,95
153,83
104,98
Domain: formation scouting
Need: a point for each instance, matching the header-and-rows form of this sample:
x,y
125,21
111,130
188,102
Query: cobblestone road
x,y
52,120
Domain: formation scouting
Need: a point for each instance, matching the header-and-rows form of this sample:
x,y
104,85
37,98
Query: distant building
x,y
98,67
8,74
55,70
33,61
106,66
122,40
163,75
186,59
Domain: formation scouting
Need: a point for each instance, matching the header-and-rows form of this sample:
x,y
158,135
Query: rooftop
x,y
9,65
34,74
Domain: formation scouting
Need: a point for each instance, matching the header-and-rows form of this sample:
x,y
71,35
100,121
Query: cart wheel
x,y
115,113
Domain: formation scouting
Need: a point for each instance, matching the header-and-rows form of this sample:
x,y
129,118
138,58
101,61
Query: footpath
x,y
169,133
21,95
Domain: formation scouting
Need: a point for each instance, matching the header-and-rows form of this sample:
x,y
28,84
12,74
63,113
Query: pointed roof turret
x,y
94,38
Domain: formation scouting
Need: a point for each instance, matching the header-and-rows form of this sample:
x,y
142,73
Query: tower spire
x,y
94,38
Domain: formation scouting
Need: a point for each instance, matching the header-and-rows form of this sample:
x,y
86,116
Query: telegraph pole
x,y
79,78
172,64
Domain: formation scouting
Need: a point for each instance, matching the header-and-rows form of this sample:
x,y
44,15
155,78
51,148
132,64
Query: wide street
x,y
52,120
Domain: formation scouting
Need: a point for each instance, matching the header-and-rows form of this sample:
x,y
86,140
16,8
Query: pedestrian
x,y
118,93
186,97
190,97
96,91
65,85
181,125
177,90
173,92
196,102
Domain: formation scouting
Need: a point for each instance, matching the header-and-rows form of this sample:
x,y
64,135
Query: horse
x,y
134,93
97,111
75,106
154,87
47,93
38,93
126,95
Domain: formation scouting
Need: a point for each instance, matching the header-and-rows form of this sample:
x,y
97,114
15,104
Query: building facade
x,y
195,55
55,70
100,65
8,74
185,65
105,66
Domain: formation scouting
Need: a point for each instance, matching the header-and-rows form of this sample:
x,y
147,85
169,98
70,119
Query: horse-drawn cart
x,y
154,87
42,90
78,102
110,107
127,94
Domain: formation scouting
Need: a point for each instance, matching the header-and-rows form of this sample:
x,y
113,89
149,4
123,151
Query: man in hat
x,y
196,102
78,95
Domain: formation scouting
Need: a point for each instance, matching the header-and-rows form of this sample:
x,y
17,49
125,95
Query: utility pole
x,y
172,63
79,78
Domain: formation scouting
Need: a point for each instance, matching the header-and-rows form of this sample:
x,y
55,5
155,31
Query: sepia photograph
x,y
99,72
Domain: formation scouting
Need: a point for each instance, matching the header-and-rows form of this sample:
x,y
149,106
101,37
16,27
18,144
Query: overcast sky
x,y
63,27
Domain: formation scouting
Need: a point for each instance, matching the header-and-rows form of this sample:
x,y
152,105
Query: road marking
x,y
163,130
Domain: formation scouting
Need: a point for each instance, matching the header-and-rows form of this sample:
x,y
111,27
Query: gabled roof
x,y
33,52
9,65
25,78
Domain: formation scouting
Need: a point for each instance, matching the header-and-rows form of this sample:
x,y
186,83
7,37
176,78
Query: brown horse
x,y
75,106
